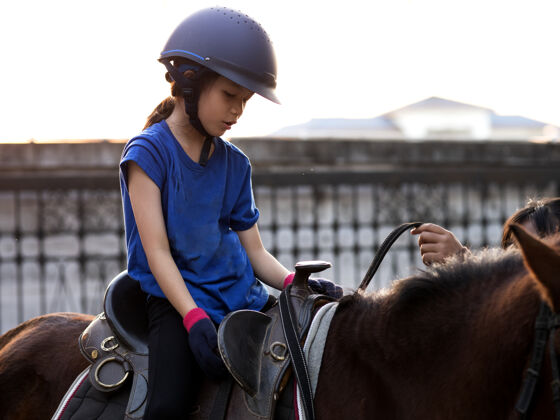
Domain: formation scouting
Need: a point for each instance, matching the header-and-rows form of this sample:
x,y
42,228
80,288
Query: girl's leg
x,y
173,375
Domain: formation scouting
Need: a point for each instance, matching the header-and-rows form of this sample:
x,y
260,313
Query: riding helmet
x,y
231,44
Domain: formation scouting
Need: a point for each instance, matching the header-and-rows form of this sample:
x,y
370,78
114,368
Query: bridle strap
x,y
533,371
545,330
555,383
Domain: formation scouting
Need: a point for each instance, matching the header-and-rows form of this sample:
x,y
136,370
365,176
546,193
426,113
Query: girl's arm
x,y
145,198
266,267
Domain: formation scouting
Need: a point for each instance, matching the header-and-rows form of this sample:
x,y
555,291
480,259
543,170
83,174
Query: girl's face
x,y
221,105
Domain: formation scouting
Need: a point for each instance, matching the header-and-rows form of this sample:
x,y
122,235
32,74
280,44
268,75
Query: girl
x,y
190,217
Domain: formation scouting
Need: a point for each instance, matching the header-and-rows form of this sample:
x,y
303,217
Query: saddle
x,y
115,343
254,347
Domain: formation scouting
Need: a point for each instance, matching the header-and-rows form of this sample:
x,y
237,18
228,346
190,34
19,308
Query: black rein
x,y
383,249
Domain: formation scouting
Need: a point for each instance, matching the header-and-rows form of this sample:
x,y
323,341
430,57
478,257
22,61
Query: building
x,y
431,119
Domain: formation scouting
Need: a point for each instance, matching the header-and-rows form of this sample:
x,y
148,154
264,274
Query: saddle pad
x,y
83,402
314,347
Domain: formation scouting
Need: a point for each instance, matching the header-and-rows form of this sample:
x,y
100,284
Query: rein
x,y
545,330
383,249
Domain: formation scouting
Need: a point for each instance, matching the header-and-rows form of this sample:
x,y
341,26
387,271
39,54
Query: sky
x,y
73,69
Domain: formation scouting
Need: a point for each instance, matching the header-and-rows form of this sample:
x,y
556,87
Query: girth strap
x,y
298,359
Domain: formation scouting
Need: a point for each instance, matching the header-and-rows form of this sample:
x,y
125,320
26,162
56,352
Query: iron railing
x,y
62,239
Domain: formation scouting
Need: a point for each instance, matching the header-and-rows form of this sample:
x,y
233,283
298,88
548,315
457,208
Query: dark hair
x,y
543,213
166,107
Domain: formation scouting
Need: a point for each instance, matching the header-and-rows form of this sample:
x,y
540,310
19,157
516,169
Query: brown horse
x,y
453,342
39,359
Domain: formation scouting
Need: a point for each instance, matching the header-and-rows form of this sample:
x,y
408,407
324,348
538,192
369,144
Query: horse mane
x,y
478,271
440,293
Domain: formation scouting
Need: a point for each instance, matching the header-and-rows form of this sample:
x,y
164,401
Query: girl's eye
x,y
228,94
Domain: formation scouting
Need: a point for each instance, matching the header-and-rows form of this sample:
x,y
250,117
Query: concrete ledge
x,y
268,154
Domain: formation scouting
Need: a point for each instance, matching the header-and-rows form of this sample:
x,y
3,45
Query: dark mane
x,y
479,272
456,276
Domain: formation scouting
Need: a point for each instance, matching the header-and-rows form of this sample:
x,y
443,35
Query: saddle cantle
x,y
253,345
116,343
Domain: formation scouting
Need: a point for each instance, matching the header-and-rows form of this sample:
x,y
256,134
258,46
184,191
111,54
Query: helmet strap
x,y
190,90
205,152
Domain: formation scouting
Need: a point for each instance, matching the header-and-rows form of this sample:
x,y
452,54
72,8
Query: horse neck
x,y
474,345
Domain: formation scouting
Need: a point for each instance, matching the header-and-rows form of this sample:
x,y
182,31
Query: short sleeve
x,y
148,156
245,213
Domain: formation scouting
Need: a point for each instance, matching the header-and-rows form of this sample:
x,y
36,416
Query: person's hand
x,y
322,286
436,243
325,287
203,340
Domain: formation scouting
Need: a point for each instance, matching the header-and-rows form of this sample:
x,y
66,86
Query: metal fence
x,y
62,241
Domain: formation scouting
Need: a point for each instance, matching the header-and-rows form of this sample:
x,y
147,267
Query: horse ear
x,y
543,261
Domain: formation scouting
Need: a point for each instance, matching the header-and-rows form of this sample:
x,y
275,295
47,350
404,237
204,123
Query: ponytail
x,y
162,111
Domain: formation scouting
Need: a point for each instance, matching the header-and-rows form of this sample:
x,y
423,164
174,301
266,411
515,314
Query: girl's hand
x,y
436,243
322,286
203,340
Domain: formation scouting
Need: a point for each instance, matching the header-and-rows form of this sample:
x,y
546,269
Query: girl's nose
x,y
237,108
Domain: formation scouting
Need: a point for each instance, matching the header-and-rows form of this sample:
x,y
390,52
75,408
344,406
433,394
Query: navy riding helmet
x,y
228,42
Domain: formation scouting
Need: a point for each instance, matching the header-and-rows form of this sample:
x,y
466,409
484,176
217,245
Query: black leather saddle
x,y
125,309
116,344
254,348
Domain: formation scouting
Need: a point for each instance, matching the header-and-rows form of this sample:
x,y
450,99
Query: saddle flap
x,y
124,306
241,337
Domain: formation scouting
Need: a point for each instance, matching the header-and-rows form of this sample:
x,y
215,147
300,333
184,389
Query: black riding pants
x,y
173,376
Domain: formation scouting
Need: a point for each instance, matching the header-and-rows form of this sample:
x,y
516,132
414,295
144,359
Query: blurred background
x,y
392,111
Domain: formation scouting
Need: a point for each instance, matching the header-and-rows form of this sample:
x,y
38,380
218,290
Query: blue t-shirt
x,y
203,207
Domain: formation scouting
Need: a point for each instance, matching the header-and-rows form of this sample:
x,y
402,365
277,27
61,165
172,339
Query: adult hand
x,y
203,340
436,243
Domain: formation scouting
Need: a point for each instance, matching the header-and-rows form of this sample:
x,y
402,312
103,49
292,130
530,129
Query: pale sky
x,y
73,69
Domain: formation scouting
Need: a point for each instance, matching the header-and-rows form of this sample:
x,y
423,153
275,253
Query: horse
x,y
39,359
453,341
